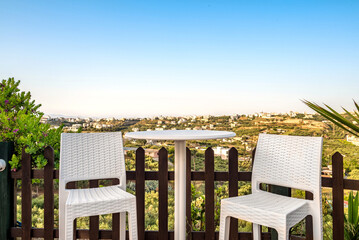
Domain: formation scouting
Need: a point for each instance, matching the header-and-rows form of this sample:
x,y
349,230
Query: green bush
x,y
20,123
351,231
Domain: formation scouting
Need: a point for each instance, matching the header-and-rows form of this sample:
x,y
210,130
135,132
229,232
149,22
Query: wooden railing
x,y
209,176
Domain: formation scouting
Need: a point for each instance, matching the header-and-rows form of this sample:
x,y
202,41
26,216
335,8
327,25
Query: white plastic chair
x,y
288,161
86,156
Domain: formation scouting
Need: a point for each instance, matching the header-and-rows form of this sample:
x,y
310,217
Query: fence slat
x,y
209,193
338,197
94,220
26,195
49,194
309,219
140,192
188,195
233,187
115,218
163,194
15,201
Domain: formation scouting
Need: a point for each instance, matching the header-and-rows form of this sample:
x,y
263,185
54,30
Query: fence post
x,y
188,194
94,220
6,191
26,195
49,194
140,192
338,197
163,194
209,193
233,187
309,219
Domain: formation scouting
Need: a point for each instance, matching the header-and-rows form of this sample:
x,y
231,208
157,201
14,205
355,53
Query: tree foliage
x,y
20,122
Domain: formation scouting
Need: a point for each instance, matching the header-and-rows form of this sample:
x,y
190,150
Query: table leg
x,y
180,190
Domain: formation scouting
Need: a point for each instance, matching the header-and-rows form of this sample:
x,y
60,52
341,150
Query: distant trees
x,y
354,174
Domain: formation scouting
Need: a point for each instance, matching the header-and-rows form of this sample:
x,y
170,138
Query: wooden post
x,y
94,220
233,188
163,194
309,219
116,218
6,191
188,194
209,194
26,195
49,194
140,192
338,197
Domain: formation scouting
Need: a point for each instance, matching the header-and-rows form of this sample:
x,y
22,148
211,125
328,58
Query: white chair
x,y
86,156
288,161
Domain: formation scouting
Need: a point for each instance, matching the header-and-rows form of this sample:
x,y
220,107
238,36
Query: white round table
x,y
180,137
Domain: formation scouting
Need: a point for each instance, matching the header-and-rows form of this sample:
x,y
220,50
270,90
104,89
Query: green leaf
x,y
334,117
351,115
350,208
357,106
355,209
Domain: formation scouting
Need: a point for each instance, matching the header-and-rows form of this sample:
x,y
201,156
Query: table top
x,y
179,135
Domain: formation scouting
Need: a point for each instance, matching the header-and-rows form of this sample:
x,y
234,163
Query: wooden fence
x,y
209,176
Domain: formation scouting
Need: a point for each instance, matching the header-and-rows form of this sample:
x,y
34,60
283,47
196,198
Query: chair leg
x,y
317,227
123,226
69,228
132,224
62,225
256,231
62,217
224,225
283,235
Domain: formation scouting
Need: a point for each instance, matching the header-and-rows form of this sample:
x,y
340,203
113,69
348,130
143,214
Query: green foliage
x,y
197,209
130,162
351,231
20,123
349,151
354,174
348,123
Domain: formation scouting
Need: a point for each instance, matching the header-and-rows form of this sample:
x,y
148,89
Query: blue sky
x,y
147,58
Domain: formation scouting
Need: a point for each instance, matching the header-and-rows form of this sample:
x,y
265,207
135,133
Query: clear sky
x,y
146,58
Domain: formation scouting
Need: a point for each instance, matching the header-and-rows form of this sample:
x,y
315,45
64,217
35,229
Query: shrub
x,y
20,122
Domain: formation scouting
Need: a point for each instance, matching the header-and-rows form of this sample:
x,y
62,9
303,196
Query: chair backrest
x,y
86,156
289,161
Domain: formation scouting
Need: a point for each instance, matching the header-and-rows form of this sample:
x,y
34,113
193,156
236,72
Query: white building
x,y
75,127
45,118
222,152
352,139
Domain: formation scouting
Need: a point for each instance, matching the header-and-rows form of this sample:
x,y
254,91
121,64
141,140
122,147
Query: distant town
x,y
280,123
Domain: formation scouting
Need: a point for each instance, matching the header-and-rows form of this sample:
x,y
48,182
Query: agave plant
x,y
351,231
349,124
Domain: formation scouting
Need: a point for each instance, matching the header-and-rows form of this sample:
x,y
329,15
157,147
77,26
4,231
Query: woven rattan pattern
x,y
289,161
88,156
